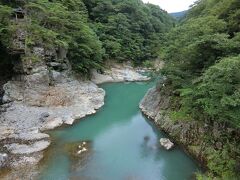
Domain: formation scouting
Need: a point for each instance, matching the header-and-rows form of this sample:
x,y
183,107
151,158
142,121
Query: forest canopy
x,y
91,30
202,61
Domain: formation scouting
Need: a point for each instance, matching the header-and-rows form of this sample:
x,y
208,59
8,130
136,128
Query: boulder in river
x,y
166,143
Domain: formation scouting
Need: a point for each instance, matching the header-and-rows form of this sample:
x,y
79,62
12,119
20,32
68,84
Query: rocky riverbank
x,y
43,97
44,93
32,106
189,134
197,138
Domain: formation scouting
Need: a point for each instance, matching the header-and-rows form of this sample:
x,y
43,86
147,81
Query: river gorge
x,y
123,143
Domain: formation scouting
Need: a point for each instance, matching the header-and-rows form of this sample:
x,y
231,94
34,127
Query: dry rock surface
x,y
166,143
41,100
16,148
118,73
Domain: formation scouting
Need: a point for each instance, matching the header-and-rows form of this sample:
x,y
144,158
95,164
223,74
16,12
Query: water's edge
x,y
123,90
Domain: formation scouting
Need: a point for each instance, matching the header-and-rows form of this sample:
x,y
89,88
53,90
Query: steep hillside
x,y
48,49
91,31
202,85
202,54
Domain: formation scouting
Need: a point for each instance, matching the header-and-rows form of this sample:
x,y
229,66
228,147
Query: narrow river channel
x,y
124,144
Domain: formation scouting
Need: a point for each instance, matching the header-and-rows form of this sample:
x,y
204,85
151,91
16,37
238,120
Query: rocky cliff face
x,y
197,138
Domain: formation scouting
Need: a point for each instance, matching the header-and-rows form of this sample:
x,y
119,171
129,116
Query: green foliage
x,y
200,176
180,115
129,29
222,163
148,64
5,13
202,62
57,24
218,91
91,30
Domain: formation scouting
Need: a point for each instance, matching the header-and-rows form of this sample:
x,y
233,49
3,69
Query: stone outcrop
x,y
166,143
197,138
41,96
118,73
34,135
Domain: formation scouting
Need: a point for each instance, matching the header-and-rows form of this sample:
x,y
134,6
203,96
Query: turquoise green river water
x,y
120,150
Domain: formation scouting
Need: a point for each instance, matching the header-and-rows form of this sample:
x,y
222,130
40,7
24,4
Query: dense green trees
x,y
91,30
129,29
202,58
218,91
203,53
57,24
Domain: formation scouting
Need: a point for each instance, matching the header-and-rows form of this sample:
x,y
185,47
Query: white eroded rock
x,y
101,78
16,148
68,101
52,123
5,132
166,143
69,120
118,74
43,95
26,161
30,136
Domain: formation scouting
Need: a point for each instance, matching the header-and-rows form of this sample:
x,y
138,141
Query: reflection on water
x,y
124,144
